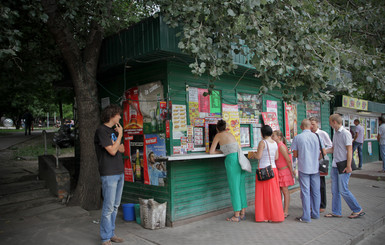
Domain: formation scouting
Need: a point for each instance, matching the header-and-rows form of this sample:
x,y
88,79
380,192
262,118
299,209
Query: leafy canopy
x,y
291,44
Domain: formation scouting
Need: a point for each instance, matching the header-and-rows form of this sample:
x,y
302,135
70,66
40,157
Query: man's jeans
x,y
112,187
359,146
340,188
310,195
382,153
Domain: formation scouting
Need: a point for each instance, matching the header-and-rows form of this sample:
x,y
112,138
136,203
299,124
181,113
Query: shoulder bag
x,y
243,161
323,163
265,173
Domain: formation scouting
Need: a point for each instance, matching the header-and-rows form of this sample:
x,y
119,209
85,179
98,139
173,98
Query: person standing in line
x,y
268,200
342,151
28,120
236,177
108,149
381,141
358,141
285,169
328,144
306,148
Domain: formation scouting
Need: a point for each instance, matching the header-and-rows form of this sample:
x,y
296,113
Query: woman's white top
x,y
265,161
229,148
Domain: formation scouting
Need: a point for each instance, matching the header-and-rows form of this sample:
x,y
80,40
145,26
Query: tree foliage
x,y
30,62
291,44
360,23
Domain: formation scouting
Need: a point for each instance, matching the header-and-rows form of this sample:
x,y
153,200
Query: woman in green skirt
x,y
235,175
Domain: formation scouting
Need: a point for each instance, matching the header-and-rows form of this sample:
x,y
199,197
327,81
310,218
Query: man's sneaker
x,y
117,239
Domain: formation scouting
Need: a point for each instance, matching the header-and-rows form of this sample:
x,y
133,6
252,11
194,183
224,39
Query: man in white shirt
x,y
358,141
328,144
342,151
381,141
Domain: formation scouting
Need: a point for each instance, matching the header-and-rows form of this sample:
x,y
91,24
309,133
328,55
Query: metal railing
x,y
45,148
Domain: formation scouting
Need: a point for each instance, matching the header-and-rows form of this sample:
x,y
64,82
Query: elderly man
x,y
306,148
342,151
328,144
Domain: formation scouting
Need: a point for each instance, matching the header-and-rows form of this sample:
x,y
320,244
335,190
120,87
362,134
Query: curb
x,y
366,232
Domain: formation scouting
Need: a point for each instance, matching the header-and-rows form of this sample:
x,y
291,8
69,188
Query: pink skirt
x,y
268,201
285,178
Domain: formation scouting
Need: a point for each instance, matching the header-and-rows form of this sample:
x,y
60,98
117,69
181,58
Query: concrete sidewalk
x,y
73,225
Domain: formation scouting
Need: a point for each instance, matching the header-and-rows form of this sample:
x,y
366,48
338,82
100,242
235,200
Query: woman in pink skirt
x,y
268,201
285,169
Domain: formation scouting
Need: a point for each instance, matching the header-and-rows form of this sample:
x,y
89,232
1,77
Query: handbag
x,y
323,163
343,164
243,161
265,173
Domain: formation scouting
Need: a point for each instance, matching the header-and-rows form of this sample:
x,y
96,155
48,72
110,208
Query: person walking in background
x,y
28,120
342,151
358,141
235,175
108,149
306,148
381,141
285,169
268,201
328,144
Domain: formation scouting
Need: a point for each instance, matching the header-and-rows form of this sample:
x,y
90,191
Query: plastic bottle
x,y
153,121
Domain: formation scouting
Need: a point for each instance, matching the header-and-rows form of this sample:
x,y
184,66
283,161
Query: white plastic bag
x,y
243,161
152,214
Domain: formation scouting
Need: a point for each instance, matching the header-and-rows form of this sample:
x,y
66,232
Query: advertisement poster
x,y
155,145
250,106
204,101
270,118
313,109
272,106
291,121
179,119
193,104
193,110
231,116
138,158
132,115
354,103
215,103
373,128
201,106
128,171
144,109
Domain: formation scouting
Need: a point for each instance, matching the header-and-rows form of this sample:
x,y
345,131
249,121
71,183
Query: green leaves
x,y
300,43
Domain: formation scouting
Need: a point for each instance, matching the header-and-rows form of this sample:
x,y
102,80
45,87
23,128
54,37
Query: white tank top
x,y
265,161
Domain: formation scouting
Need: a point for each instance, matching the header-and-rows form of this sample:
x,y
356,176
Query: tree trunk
x,y
88,192
82,65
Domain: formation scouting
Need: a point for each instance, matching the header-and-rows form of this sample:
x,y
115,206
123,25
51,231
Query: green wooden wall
x,y
200,186
194,187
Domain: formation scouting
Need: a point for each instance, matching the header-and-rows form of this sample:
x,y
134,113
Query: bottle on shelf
x,y
137,167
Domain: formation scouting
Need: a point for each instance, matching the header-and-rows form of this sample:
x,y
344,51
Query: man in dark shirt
x,y
108,149
28,119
